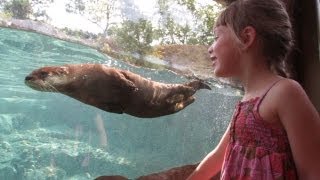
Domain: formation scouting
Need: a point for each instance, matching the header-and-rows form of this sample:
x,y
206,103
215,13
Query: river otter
x,y
114,90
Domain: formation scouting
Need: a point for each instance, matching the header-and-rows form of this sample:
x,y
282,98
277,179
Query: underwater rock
x,y
6,123
177,173
7,172
15,121
6,152
111,178
45,173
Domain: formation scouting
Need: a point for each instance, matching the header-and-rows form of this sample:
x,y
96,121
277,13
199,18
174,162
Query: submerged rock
x,y
7,172
6,123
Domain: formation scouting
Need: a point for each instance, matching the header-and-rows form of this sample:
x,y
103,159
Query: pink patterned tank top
x,y
257,150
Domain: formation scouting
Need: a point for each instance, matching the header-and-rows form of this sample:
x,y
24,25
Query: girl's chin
x,y
219,73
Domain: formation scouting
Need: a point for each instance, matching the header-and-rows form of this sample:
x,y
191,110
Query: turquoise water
x,y
51,136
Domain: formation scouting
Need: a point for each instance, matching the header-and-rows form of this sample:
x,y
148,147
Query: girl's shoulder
x,y
301,121
284,102
283,96
282,89
292,103
286,89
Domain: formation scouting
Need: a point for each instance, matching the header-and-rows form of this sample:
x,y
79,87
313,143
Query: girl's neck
x,y
256,77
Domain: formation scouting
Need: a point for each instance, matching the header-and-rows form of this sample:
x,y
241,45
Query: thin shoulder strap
x,y
264,95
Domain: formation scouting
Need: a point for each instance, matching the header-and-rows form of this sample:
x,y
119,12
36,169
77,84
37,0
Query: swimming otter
x,y
114,90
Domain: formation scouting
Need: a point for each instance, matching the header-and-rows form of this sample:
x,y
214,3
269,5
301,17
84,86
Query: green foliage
x,y
99,12
20,9
174,33
167,28
205,19
184,33
163,6
190,4
80,34
166,31
75,6
134,37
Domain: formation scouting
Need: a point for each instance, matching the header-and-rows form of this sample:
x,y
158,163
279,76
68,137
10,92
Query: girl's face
x,y
224,53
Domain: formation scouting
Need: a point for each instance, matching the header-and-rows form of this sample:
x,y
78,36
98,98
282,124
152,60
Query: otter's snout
x,y
29,78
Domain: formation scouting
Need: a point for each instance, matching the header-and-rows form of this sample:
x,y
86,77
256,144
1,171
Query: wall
x,y
308,63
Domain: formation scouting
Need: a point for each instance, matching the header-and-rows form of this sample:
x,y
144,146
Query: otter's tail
x,y
198,84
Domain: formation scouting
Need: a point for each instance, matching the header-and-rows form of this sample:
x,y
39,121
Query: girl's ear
x,y
248,36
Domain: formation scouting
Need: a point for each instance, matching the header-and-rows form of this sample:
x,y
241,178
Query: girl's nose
x,y
210,49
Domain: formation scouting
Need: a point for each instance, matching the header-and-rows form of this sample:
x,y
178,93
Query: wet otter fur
x,y
114,90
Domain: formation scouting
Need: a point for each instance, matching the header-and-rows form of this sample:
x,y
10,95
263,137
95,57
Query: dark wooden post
x,y
308,62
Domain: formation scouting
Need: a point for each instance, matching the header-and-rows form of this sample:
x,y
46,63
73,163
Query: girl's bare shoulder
x,y
302,123
294,107
289,90
290,102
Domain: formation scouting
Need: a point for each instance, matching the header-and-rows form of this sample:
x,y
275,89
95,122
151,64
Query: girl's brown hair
x,y
271,22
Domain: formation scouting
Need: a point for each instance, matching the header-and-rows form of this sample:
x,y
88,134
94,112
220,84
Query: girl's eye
x,y
215,37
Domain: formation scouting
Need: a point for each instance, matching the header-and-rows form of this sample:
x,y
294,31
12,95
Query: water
x,y
51,136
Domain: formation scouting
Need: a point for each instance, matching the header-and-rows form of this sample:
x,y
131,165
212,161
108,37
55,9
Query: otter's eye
x,y
43,74
61,72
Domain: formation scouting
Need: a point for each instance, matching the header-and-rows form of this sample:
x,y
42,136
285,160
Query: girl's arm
x,y
212,163
302,124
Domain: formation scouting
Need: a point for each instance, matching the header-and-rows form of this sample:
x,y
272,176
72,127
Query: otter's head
x,y
49,79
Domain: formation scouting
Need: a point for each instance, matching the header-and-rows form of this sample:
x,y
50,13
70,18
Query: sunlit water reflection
x,y
51,136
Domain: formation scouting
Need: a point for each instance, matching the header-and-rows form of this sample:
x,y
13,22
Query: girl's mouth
x,y
213,59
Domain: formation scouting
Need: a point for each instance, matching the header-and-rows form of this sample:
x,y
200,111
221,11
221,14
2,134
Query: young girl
x,y
275,130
